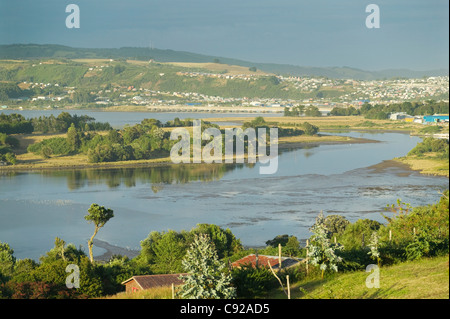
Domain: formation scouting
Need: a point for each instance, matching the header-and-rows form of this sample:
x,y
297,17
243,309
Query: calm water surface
x,y
36,207
119,119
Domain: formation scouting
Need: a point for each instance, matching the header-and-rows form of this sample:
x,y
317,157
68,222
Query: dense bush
x,y
63,121
15,124
7,144
51,146
344,111
8,157
421,230
290,246
253,282
163,251
38,290
430,144
357,234
259,122
7,140
411,233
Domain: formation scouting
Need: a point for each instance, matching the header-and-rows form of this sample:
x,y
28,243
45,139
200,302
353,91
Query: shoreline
x,y
113,250
288,143
424,166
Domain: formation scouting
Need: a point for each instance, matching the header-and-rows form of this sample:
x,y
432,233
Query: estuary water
x,y
119,120
352,180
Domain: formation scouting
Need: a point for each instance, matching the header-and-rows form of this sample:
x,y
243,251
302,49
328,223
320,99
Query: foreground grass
x,y
427,278
154,293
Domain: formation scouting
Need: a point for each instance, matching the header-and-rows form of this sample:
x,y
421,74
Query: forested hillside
x,y
33,51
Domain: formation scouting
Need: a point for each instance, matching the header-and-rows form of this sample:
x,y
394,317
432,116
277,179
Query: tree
x,y
61,251
310,129
99,215
336,224
280,239
293,246
7,261
73,137
169,251
321,252
46,151
225,243
206,278
312,111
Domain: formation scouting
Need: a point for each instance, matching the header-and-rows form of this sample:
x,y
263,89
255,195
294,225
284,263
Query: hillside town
x,y
322,92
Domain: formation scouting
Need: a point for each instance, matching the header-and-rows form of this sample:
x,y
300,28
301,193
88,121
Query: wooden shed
x,y
137,283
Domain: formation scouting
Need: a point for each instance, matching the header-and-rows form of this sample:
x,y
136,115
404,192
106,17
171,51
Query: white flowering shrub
x,y
374,247
321,252
207,277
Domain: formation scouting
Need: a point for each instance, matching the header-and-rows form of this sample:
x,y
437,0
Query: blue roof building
x,y
435,118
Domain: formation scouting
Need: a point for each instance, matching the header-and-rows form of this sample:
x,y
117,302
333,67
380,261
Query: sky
x,y
412,34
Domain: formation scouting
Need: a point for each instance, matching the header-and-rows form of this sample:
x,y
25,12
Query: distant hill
x,y
35,51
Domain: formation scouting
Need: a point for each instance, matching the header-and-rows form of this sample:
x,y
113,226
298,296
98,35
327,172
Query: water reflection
x,y
158,176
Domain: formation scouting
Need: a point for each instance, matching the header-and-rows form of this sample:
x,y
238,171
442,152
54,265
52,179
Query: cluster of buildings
x,y
400,90
320,91
311,84
427,119
379,91
346,92
246,77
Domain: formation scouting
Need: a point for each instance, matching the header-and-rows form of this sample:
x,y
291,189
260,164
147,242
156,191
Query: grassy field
x,y
218,67
318,139
426,165
154,293
423,279
334,123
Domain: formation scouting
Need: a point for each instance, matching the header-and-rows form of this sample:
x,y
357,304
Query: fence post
x,y
307,251
279,257
288,287
390,235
